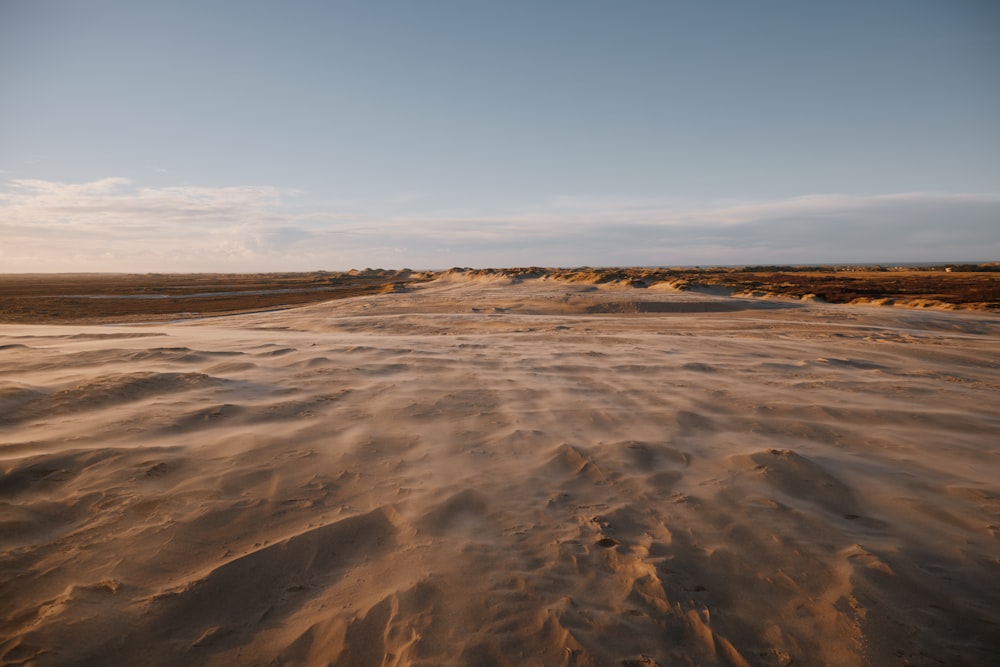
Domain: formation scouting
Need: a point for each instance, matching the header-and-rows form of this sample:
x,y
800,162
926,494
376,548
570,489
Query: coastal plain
x,y
502,468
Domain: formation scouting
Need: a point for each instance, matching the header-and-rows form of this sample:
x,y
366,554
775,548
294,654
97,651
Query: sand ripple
x,y
473,473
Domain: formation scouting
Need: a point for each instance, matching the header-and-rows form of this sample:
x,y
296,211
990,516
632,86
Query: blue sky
x,y
249,136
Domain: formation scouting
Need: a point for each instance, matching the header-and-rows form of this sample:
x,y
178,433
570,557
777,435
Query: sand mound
x,y
800,479
504,470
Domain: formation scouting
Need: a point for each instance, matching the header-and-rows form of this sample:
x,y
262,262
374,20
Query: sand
x,y
493,472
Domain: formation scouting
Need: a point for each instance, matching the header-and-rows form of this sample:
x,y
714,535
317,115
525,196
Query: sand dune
x,y
490,472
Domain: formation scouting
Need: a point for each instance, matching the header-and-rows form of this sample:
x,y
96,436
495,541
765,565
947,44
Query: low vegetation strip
x,y
966,286
69,298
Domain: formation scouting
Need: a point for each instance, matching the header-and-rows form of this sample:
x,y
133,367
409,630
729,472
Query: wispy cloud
x,y
115,200
112,225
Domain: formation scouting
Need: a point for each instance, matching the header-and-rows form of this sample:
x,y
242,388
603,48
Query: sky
x,y
245,135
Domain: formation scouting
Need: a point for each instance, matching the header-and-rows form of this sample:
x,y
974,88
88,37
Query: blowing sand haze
x,y
499,472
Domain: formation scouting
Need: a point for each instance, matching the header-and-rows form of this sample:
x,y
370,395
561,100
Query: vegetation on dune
x,y
153,296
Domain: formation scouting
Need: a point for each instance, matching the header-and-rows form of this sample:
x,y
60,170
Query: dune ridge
x,y
494,471
142,298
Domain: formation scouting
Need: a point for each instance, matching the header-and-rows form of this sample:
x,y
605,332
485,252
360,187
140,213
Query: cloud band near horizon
x,y
112,225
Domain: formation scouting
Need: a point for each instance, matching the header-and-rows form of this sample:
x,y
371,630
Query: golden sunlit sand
x,y
482,470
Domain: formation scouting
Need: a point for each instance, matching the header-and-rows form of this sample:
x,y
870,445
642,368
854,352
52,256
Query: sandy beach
x,y
491,471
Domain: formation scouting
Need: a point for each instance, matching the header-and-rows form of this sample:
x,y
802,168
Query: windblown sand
x,y
480,473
